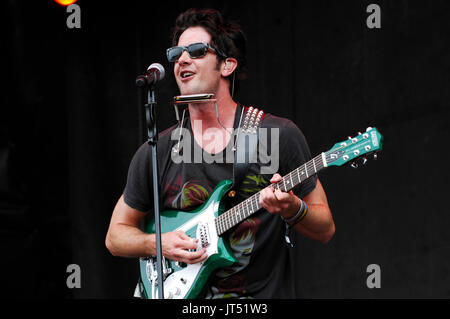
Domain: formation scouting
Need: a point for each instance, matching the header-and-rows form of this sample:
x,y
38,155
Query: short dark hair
x,y
227,36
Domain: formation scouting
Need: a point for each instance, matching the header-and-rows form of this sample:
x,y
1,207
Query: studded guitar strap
x,y
246,144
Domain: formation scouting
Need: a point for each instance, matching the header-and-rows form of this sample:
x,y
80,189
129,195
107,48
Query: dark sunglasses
x,y
195,50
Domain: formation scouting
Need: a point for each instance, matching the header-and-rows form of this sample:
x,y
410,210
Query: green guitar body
x,y
219,252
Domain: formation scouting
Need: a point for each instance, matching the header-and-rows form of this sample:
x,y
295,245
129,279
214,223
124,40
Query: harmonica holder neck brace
x,y
184,100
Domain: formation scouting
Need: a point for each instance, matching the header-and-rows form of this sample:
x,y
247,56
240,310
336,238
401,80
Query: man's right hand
x,y
124,238
180,247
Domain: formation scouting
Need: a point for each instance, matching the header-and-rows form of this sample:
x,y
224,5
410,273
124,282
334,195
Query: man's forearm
x,y
317,224
129,241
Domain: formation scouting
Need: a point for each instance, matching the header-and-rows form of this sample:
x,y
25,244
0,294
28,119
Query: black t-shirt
x,y
263,269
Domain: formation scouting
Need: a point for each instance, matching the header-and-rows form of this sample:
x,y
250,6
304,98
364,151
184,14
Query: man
x,y
263,268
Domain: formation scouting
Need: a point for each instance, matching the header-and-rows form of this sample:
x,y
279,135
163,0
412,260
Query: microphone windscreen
x,y
158,67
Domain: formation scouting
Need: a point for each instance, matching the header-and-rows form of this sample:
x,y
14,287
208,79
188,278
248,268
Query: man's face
x,y
200,75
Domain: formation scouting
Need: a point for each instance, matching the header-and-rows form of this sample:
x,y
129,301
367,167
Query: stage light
x,y
65,2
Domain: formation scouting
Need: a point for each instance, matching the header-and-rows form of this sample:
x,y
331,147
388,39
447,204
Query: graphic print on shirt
x,y
187,195
228,282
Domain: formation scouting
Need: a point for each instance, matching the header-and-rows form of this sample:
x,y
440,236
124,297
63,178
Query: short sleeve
x,y
294,151
291,148
139,180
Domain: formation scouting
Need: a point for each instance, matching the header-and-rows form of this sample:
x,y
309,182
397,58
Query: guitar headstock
x,y
356,147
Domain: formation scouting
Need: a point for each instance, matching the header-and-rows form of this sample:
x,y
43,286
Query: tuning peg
x,y
364,160
375,156
359,133
354,165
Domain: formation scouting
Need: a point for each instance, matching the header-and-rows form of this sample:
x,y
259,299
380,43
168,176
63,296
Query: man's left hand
x,y
276,201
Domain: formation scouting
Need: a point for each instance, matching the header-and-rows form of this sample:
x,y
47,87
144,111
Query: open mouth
x,y
186,74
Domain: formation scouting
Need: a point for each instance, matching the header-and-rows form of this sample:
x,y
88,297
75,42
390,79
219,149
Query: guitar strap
x,y
246,144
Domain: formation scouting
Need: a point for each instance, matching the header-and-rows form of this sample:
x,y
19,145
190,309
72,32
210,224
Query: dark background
x,y
71,119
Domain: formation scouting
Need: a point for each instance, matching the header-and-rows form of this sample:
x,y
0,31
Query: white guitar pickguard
x,y
178,284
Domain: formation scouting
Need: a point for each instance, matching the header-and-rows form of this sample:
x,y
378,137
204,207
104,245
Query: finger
x,y
282,196
202,257
275,178
192,257
277,201
269,201
190,243
183,235
186,241
267,196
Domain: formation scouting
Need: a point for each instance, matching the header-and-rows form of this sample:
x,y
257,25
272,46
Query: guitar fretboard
x,y
251,205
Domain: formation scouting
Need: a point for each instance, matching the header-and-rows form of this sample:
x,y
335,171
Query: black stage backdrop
x,y
71,119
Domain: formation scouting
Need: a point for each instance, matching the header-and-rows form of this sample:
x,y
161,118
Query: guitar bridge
x,y
152,274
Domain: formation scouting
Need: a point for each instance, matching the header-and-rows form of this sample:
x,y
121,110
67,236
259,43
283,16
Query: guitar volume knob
x,y
169,295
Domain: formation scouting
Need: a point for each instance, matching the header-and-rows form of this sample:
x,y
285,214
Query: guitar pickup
x,y
203,235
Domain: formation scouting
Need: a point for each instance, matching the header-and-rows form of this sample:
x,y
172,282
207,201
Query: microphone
x,y
155,72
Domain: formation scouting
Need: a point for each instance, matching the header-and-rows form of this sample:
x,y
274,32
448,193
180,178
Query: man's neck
x,y
206,112
208,131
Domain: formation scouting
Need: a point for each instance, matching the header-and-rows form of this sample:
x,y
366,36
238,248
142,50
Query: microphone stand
x,y
152,134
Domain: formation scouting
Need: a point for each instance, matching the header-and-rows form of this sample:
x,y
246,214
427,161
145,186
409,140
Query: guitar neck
x,y
251,205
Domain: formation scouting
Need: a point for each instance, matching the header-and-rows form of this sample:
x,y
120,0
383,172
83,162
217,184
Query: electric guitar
x,y
209,221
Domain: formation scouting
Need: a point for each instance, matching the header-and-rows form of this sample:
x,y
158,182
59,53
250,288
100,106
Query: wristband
x,y
302,211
